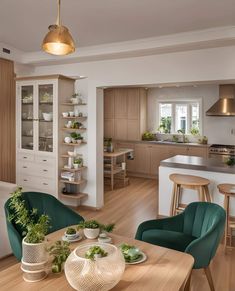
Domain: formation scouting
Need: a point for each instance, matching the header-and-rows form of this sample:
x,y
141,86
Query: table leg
x,y
226,207
112,174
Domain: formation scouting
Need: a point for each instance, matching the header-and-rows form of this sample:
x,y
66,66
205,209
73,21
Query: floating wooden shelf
x,y
74,144
74,170
67,156
71,104
47,103
76,117
73,129
74,182
74,196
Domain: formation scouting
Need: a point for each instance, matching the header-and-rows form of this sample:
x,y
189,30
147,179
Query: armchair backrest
x,y
200,217
206,222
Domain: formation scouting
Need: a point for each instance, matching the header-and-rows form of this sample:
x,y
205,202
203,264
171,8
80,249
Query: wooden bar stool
x,y
188,182
228,190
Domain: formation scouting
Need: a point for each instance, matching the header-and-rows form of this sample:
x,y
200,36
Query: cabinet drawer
x,y
45,160
33,169
25,157
36,183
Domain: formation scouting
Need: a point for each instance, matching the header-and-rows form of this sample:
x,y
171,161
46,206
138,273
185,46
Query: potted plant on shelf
x,y
60,251
92,228
78,163
34,228
76,137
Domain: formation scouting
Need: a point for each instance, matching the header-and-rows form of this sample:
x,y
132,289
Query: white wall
x,y
188,66
217,129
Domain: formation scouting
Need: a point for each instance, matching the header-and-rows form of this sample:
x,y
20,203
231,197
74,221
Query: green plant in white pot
x,y
92,228
78,163
34,254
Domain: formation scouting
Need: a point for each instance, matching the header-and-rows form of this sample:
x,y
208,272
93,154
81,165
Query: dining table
x,y
163,270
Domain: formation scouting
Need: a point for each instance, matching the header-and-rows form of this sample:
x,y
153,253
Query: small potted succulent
x,y
71,233
60,252
92,228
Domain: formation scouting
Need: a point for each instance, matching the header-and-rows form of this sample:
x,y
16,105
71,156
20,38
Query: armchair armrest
x,y
174,223
204,248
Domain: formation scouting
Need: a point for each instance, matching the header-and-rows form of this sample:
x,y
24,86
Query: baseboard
x,y
139,175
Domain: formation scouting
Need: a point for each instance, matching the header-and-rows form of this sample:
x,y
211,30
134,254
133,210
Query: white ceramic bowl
x,y
65,114
71,236
47,116
72,154
67,139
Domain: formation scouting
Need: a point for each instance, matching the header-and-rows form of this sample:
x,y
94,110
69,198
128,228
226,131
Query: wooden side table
x,y
228,190
188,182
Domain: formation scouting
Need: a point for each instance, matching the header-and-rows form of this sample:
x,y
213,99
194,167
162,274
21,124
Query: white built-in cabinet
x,y
36,134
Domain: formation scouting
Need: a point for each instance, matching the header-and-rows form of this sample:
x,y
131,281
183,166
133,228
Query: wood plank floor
x,y
129,206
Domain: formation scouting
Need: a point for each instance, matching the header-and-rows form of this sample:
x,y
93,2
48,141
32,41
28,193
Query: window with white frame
x,y
180,116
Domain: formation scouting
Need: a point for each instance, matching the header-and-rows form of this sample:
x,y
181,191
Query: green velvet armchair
x,y
60,216
196,231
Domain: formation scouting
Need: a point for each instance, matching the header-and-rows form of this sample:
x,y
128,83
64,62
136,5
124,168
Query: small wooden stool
x,y
188,182
226,189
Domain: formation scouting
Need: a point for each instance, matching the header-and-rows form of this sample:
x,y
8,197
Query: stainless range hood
x,y
225,106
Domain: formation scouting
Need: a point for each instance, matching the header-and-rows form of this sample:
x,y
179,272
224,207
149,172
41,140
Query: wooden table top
x,y
117,153
163,270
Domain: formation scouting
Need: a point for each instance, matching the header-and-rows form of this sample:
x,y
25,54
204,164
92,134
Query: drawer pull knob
x,y
25,157
25,180
24,167
45,170
44,160
45,184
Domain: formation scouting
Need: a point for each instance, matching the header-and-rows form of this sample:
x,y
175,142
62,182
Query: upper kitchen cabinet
x,y
109,104
129,106
120,103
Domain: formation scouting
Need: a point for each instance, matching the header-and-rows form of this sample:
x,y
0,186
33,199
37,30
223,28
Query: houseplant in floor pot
x,y
34,228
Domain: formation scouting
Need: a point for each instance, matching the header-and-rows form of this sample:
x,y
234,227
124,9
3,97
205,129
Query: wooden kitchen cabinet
x,y
133,106
127,107
109,104
157,154
120,103
109,128
198,151
177,150
120,129
142,158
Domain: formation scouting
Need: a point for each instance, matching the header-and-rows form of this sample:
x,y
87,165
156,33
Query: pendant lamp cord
x,y
58,20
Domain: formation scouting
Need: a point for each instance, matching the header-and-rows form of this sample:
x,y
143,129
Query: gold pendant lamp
x,y
58,40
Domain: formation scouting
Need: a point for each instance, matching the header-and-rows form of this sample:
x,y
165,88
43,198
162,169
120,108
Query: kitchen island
x,y
216,171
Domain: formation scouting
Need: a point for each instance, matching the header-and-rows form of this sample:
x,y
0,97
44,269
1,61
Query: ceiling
x,y
23,23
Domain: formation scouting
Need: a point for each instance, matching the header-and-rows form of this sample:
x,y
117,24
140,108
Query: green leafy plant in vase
x,y
95,252
60,251
34,228
78,163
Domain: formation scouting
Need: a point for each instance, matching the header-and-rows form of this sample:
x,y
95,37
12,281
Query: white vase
x,y
101,274
34,260
91,233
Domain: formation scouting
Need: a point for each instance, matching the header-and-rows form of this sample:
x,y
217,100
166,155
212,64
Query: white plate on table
x,y
141,259
65,238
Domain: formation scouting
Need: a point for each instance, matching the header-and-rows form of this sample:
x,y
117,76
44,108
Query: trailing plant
x,y
93,224
78,161
60,251
34,228
95,252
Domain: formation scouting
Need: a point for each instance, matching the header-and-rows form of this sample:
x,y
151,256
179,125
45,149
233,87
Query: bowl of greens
x,y
132,254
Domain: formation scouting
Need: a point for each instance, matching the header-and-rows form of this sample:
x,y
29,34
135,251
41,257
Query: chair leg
x,y
173,199
209,278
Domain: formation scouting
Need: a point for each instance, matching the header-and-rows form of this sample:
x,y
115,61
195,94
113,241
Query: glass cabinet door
x,y
45,117
27,132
